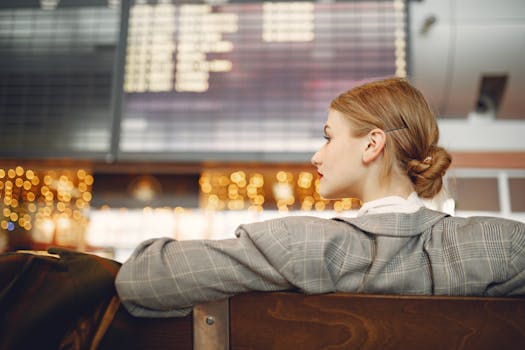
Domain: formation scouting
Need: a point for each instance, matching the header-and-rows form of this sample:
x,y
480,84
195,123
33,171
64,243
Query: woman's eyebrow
x,y
326,127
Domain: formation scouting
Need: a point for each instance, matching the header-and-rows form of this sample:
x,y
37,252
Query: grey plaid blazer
x,y
426,252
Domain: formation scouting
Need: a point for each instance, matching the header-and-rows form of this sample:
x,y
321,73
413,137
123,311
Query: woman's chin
x,y
327,195
334,196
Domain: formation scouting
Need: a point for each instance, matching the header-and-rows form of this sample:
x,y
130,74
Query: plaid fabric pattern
x,y
426,252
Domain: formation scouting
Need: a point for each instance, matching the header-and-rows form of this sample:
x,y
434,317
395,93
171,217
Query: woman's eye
x,y
327,138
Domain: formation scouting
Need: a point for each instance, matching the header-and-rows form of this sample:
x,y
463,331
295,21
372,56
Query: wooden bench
x,y
69,299
292,321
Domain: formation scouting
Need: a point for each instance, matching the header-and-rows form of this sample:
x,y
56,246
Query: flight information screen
x,y
208,79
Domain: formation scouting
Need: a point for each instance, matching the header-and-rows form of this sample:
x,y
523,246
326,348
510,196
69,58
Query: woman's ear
x,y
376,140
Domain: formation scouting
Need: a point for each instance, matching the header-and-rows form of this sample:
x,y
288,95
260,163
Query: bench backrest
x,y
292,321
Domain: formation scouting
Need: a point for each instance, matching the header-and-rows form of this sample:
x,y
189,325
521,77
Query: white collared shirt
x,y
392,204
397,204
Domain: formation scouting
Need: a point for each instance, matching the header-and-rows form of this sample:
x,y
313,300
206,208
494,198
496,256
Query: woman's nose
x,y
315,159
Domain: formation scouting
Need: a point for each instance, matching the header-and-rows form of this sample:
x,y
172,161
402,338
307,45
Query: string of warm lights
x,y
283,190
48,203
52,205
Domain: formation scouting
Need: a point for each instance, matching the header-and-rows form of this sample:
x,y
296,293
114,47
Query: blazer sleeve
x,y
514,285
165,278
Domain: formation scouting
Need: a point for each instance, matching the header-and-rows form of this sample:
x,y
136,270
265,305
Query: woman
x,y
381,147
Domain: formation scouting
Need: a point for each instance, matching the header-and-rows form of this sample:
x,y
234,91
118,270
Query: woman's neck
x,y
395,185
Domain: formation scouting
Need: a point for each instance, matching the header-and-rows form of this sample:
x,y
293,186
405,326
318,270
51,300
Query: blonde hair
x,y
401,110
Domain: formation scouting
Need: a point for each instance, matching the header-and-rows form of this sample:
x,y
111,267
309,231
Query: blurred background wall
x,y
124,120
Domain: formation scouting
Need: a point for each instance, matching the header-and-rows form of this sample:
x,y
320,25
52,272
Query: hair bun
x,y
427,174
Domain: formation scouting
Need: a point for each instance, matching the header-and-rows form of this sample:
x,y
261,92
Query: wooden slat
x,y
489,160
348,321
211,326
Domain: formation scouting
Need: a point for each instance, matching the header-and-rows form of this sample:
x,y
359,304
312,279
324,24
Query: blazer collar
x,y
396,224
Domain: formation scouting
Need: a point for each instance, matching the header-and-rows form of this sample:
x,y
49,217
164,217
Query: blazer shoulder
x,y
501,224
293,224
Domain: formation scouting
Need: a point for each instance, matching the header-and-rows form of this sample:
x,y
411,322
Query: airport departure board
x,y
208,79
57,66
